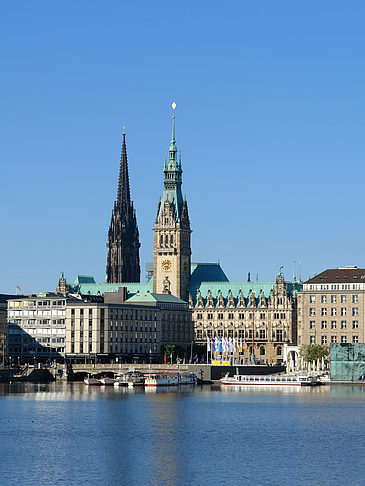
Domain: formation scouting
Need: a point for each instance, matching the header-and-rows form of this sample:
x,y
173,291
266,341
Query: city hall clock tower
x,y
171,250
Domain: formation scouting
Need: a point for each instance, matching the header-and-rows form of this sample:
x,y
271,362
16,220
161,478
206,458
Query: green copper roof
x,y
237,288
172,181
151,297
101,288
83,279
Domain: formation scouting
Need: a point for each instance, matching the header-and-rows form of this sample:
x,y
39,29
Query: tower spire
x,y
123,196
173,148
172,250
123,236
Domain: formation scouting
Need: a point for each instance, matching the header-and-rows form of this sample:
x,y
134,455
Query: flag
x,y
230,345
239,345
219,345
18,288
208,345
212,346
245,345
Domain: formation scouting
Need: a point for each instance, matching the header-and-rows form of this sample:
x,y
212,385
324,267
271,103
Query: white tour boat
x,y
91,381
132,378
270,380
170,379
107,381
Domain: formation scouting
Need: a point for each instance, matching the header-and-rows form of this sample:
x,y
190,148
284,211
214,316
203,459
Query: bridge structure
x,y
206,372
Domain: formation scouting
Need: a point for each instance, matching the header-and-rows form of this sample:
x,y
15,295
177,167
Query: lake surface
x,y
71,434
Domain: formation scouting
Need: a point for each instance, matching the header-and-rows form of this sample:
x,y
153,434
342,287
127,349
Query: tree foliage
x,y
312,352
168,350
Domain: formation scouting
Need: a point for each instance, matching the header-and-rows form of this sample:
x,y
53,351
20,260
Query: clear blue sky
x,y
269,121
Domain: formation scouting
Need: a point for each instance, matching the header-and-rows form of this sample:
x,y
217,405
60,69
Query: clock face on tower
x,y
166,265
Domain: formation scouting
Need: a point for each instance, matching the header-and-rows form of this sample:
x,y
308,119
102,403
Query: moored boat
x,y
270,380
132,378
91,381
170,379
187,378
107,381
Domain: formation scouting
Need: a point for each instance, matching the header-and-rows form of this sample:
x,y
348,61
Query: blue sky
x,y
269,121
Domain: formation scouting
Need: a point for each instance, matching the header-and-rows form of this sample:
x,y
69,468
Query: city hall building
x,y
261,313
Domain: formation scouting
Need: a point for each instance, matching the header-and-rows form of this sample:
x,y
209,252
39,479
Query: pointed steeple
x,y
123,236
123,196
172,179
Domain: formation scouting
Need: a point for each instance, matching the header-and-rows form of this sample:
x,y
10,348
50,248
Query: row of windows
x,y
343,324
333,310
324,299
19,350
166,239
334,286
118,314
241,315
33,303
277,335
324,339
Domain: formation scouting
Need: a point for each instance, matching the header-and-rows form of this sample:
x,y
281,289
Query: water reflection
x,y
80,391
70,433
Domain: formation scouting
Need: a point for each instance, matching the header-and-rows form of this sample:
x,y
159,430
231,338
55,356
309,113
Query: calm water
x,y
74,435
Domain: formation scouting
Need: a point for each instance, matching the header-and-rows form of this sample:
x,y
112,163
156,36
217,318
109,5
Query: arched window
x,y
262,351
166,240
171,239
161,240
279,351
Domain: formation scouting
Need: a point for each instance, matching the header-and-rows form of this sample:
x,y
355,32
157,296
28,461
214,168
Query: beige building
x,y
54,326
331,307
260,314
132,330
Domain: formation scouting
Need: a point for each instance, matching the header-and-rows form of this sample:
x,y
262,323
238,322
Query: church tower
x,y
171,250
123,236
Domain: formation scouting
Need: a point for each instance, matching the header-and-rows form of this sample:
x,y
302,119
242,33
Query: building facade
x,y
261,314
123,236
37,327
256,318
331,307
135,329
84,327
171,249
3,326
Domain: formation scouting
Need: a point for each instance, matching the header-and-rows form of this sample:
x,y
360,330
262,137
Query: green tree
x,y
312,352
168,350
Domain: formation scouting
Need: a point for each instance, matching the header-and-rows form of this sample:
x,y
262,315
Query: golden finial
x,y
173,107
123,130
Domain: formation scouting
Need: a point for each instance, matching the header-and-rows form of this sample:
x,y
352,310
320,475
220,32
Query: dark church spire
x,y
123,236
123,197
